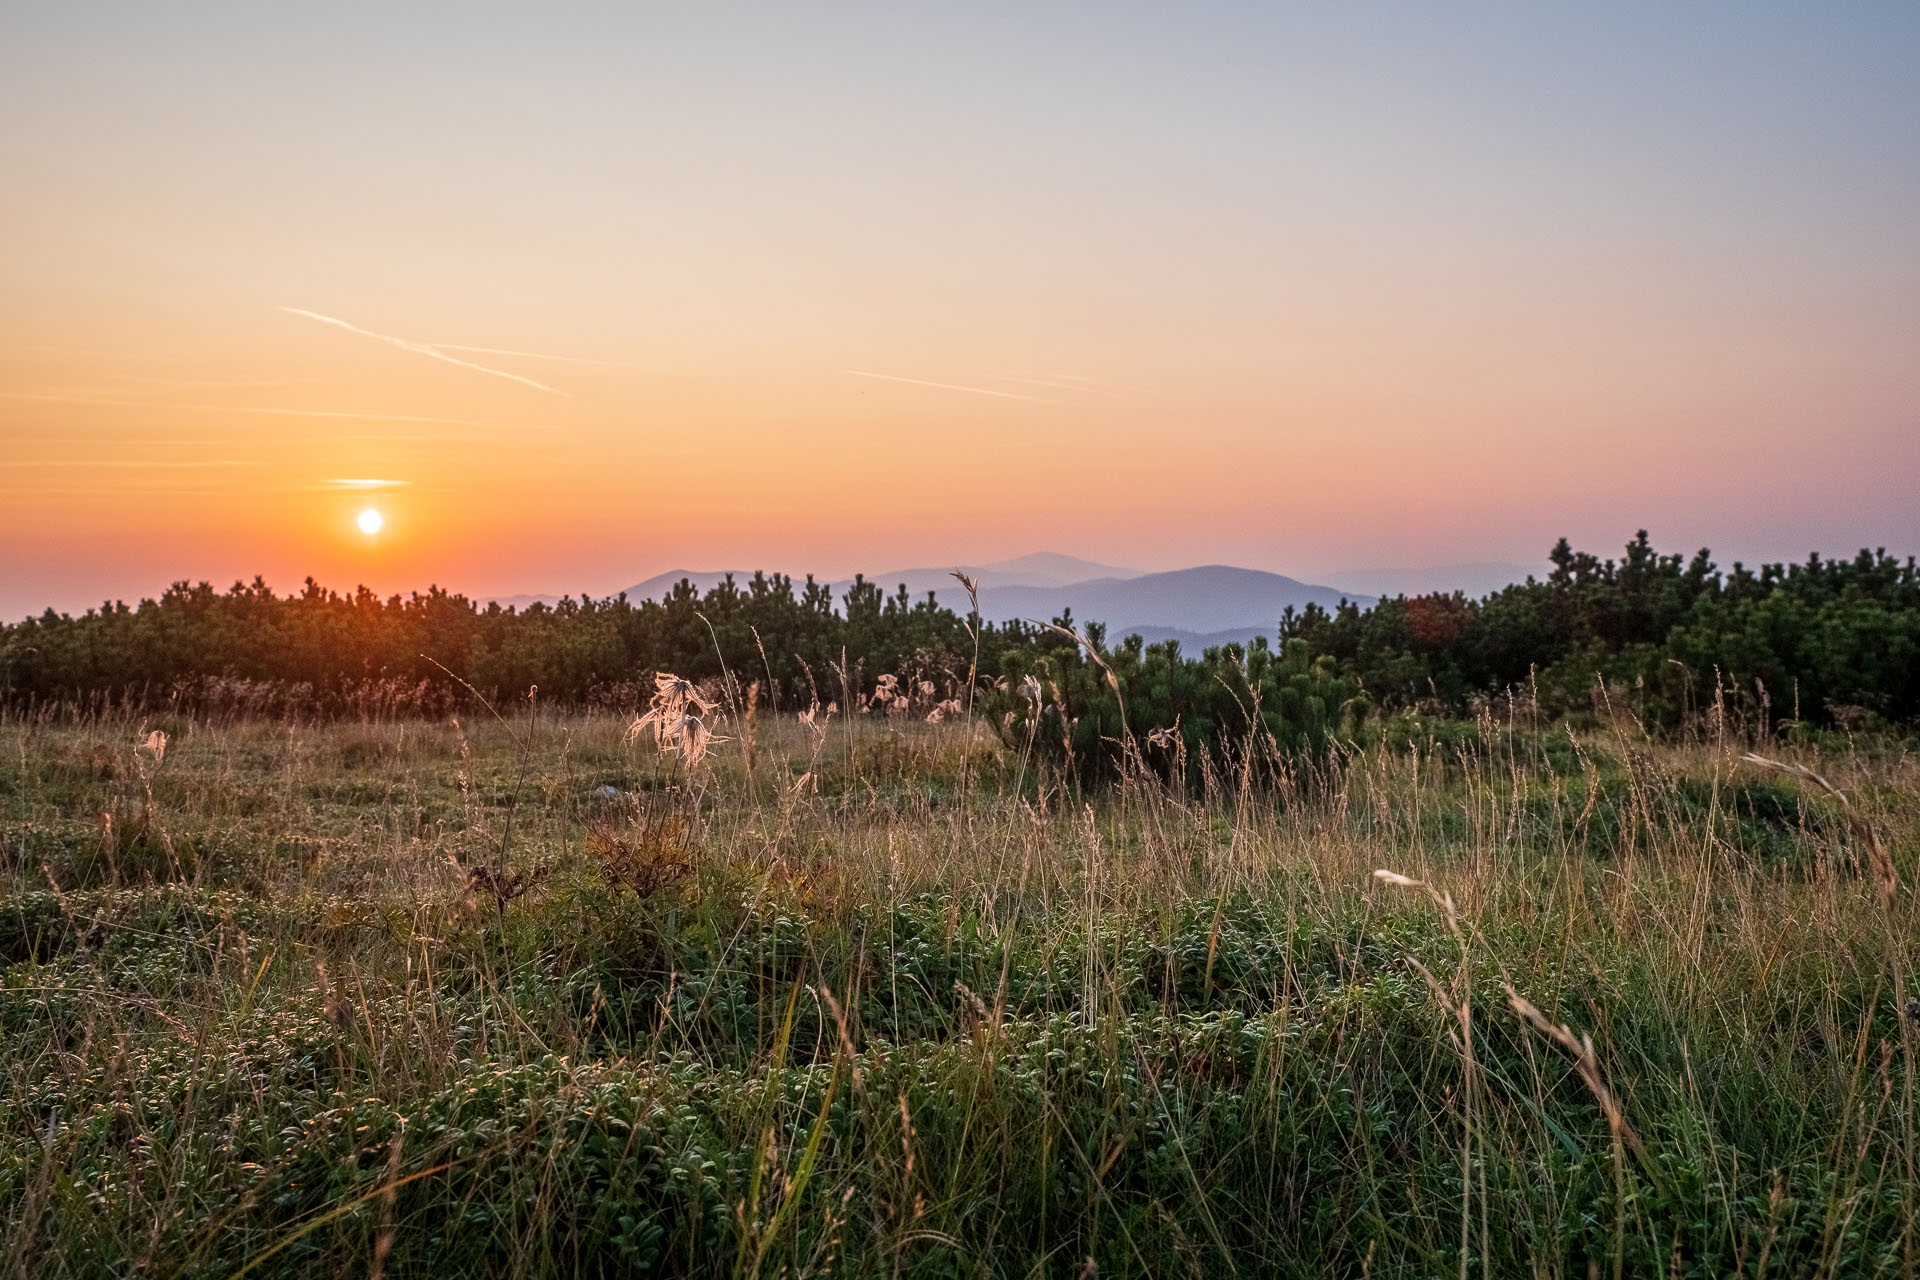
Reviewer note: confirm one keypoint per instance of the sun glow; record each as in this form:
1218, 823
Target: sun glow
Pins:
370, 521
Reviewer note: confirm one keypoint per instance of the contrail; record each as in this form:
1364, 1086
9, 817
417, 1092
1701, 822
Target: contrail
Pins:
421, 348
948, 386
1058, 381
525, 355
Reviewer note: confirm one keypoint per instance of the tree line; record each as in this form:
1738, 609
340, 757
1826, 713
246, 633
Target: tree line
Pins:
1825, 642
332, 653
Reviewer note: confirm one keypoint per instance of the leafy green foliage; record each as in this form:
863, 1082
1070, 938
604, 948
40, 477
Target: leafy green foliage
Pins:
1090, 714
1820, 645
1829, 641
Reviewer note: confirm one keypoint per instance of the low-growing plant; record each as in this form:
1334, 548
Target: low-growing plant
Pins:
916, 998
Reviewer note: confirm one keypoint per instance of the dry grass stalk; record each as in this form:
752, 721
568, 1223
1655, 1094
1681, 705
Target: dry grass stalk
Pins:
1584, 1061
814, 720
750, 728
1883, 869
1092, 653
1457, 999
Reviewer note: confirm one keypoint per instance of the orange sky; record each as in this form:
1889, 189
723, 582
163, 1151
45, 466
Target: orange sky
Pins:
1205, 288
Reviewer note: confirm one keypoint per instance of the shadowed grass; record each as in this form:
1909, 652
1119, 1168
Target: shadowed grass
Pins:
533, 998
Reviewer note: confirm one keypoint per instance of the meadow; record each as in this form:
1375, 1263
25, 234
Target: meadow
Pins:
858, 994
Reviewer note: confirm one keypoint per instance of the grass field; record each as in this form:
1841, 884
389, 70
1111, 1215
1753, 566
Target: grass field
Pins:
529, 997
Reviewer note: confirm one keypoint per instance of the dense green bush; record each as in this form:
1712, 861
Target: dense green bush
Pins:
1073, 706
1826, 643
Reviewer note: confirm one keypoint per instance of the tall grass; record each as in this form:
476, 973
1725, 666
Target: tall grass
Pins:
504, 997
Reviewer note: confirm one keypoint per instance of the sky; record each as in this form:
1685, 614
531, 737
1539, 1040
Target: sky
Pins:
596, 291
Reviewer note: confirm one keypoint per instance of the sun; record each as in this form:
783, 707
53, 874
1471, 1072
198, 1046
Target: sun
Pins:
371, 521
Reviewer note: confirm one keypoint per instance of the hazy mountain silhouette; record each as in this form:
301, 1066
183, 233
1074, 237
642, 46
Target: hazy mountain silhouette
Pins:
1214, 602
1041, 569
1200, 607
1478, 579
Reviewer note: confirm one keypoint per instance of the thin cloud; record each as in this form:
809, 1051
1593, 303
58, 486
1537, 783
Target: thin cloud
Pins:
336, 486
274, 410
230, 383
948, 386
392, 417
60, 351
369, 484
134, 464
129, 442
440, 439
421, 348
95, 490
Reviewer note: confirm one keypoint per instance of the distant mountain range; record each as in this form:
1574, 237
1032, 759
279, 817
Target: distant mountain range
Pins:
1045, 569
1200, 607
1481, 578
1205, 605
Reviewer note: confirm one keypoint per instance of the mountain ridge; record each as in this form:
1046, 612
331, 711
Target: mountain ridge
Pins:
1203, 600
1200, 606
1476, 579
